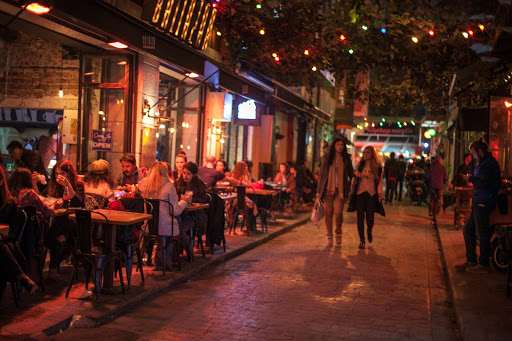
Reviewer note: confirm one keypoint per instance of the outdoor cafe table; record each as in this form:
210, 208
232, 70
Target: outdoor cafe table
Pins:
115, 218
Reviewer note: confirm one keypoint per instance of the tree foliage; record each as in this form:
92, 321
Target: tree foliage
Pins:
346, 37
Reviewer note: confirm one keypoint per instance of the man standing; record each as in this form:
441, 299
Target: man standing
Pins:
486, 182
391, 172
402, 167
131, 174
436, 179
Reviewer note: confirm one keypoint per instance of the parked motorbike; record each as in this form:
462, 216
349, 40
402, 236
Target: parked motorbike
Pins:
417, 185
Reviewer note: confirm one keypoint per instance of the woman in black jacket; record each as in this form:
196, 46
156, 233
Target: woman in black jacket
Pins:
336, 172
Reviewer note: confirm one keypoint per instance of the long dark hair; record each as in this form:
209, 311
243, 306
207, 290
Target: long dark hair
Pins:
55, 190
196, 185
332, 151
20, 179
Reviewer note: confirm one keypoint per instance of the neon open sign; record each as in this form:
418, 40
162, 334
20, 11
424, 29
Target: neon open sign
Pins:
189, 20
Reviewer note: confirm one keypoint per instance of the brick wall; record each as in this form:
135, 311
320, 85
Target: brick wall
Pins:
32, 70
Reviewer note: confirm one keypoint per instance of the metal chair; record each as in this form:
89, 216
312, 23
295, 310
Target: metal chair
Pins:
129, 247
16, 229
97, 260
151, 235
241, 209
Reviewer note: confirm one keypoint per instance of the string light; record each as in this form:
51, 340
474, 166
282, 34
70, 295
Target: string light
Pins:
508, 104
481, 27
258, 6
383, 30
373, 125
465, 34
274, 54
218, 33
313, 68
431, 33
471, 32
381, 124
415, 40
364, 27
351, 51
306, 52
342, 37
262, 32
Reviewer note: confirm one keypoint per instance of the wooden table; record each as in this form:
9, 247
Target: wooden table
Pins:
115, 218
63, 211
227, 197
249, 191
196, 207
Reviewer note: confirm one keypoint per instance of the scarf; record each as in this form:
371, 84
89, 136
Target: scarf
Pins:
336, 177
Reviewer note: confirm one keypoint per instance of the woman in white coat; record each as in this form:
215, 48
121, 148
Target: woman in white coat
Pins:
158, 186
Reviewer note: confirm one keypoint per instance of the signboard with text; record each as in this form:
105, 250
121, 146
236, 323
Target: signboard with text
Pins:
101, 140
388, 131
190, 21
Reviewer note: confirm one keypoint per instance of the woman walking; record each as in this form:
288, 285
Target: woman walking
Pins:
367, 184
336, 171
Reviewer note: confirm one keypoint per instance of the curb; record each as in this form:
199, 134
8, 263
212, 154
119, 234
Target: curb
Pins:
84, 321
450, 285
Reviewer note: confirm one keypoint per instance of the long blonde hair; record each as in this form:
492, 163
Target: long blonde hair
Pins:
156, 179
375, 162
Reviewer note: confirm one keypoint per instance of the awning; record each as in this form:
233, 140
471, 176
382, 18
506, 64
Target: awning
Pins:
241, 86
107, 22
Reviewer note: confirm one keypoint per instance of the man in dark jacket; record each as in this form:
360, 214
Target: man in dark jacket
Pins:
486, 182
391, 173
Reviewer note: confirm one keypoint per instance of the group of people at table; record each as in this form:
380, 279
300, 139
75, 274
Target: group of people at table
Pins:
97, 189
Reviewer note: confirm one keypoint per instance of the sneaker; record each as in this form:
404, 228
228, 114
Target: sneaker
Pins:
464, 265
479, 269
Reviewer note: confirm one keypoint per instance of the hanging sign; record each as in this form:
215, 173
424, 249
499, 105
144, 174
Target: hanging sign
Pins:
101, 140
188, 20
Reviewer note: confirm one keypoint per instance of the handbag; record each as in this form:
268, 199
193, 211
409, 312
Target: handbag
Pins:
379, 208
318, 212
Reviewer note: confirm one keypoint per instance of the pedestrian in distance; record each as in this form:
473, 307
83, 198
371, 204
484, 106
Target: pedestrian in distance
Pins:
391, 172
436, 179
336, 172
486, 179
402, 167
367, 187
464, 168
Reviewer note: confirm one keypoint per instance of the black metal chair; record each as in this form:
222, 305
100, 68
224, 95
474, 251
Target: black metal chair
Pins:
31, 241
241, 209
16, 229
150, 235
83, 253
130, 245
216, 221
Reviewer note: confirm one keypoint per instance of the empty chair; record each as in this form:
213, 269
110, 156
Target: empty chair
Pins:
92, 259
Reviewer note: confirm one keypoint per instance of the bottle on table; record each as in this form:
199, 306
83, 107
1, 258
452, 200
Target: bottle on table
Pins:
65, 197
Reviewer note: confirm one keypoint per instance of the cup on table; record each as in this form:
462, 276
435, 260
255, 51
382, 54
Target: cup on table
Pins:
189, 193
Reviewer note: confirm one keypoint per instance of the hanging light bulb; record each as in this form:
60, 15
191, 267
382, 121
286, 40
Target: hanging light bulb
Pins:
61, 93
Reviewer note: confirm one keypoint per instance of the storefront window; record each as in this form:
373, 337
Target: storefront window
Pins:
104, 119
177, 119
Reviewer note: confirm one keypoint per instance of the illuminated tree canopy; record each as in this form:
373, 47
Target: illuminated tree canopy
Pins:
412, 48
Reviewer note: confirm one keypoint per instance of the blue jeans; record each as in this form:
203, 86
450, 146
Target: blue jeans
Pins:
478, 222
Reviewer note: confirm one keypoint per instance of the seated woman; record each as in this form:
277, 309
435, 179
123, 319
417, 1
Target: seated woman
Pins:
98, 185
222, 167
241, 173
158, 186
286, 178
21, 186
194, 220
64, 180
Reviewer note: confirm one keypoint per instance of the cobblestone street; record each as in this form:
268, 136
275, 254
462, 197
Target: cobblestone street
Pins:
295, 288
